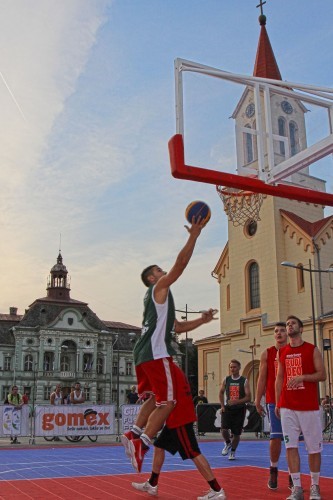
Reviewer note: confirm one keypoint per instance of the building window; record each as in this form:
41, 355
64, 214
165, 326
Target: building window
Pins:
28, 363
87, 362
99, 396
47, 392
114, 394
5, 392
48, 361
7, 363
100, 365
300, 277
282, 133
248, 146
114, 367
64, 363
87, 393
228, 297
293, 132
129, 367
252, 286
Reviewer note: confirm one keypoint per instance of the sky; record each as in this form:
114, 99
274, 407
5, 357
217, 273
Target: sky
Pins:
87, 109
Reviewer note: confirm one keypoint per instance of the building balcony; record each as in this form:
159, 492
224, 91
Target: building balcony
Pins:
71, 375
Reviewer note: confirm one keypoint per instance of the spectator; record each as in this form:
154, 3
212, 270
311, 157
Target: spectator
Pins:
77, 396
132, 397
201, 399
15, 399
25, 398
56, 399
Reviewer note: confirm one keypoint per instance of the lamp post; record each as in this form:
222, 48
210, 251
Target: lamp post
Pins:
186, 312
310, 270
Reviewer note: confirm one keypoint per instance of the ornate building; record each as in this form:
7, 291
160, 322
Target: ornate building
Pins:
256, 291
61, 340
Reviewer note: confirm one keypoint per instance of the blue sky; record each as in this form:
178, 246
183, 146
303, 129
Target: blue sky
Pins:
84, 148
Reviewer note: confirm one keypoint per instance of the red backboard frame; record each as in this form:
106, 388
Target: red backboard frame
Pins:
180, 170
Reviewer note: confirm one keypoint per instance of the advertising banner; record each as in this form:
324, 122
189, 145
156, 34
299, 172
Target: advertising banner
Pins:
13, 421
74, 420
128, 416
209, 418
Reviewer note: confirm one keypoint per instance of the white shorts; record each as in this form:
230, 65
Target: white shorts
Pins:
307, 423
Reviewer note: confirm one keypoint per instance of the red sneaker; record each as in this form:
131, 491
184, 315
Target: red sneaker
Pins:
126, 439
138, 451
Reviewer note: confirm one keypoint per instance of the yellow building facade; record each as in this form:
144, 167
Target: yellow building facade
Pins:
256, 291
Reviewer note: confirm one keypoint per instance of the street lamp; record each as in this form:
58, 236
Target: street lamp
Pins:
310, 270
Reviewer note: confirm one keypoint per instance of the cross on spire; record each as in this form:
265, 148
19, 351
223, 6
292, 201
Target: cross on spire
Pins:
261, 5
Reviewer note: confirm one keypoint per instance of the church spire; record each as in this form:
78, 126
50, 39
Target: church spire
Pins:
58, 287
265, 65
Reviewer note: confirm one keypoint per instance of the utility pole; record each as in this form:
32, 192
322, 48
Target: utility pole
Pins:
186, 312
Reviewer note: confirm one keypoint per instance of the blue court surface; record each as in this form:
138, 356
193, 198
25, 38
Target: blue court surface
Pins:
105, 472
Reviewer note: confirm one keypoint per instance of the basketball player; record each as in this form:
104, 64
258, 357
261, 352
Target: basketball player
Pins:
266, 385
178, 436
153, 351
300, 369
234, 394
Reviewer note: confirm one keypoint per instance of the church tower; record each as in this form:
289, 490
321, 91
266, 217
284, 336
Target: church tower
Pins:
256, 291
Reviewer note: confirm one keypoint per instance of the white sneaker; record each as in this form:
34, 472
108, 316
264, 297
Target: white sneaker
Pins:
315, 492
226, 449
152, 490
213, 494
232, 455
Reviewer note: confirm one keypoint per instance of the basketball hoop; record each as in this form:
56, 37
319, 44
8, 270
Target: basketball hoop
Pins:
240, 206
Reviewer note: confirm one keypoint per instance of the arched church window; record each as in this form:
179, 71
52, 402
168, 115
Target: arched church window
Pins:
293, 132
248, 146
228, 297
300, 277
252, 286
28, 363
282, 133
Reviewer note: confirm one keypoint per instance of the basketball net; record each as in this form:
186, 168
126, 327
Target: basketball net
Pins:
240, 206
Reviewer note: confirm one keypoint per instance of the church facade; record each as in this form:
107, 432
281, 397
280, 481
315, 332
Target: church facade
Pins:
256, 290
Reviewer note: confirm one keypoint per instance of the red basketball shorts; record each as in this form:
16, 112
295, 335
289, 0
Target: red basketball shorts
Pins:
158, 377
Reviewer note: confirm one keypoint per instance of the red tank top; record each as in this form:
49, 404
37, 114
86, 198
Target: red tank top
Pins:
298, 361
272, 364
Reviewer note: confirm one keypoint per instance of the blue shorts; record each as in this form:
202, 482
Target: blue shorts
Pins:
275, 423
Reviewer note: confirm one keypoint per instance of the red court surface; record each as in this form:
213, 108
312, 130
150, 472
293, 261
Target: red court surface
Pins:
238, 482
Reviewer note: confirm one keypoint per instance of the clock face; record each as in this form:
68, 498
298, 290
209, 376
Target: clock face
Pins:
287, 107
250, 110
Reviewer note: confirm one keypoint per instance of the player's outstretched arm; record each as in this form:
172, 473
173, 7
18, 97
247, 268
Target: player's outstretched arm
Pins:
188, 326
182, 260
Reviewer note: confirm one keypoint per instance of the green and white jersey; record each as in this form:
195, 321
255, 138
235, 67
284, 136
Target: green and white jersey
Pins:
157, 325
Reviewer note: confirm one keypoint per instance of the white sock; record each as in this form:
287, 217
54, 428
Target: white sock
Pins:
146, 439
274, 464
296, 477
314, 478
137, 430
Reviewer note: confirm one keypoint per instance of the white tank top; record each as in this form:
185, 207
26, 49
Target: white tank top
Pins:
57, 399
